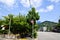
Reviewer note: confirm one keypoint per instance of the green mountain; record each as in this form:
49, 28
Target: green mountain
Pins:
47, 24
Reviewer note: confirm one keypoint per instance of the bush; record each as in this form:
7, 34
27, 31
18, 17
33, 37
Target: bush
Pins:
3, 31
35, 34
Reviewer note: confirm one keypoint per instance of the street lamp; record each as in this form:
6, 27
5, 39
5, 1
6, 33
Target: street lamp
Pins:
9, 28
9, 25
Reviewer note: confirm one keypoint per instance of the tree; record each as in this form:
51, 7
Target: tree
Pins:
33, 15
6, 22
18, 24
1, 22
58, 25
21, 24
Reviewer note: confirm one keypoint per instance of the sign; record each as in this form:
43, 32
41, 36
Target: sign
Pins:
32, 21
3, 28
2, 25
44, 28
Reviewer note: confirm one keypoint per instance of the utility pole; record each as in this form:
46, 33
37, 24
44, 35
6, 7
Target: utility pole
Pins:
30, 4
32, 21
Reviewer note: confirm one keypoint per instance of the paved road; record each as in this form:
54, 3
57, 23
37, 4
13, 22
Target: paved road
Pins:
48, 36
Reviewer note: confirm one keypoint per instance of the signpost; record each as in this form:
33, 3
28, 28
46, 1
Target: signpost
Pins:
32, 21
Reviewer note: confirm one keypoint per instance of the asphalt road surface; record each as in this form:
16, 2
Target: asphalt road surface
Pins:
48, 36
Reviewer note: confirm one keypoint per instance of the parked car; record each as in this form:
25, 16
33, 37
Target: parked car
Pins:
56, 30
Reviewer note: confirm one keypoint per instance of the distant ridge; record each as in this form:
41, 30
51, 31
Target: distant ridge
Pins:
47, 23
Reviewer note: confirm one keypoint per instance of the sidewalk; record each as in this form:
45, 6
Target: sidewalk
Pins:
14, 38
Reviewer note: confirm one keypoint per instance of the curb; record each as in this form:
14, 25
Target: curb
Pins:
28, 38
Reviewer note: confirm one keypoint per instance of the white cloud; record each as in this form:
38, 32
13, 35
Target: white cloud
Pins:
34, 3
25, 3
56, 1
48, 9
9, 3
41, 10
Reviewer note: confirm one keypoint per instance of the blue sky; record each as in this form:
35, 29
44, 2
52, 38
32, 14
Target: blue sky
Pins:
49, 10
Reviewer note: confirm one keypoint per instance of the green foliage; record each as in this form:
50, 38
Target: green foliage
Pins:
0, 22
58, 25
20, 24
35, 34
33, 15
3, 31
